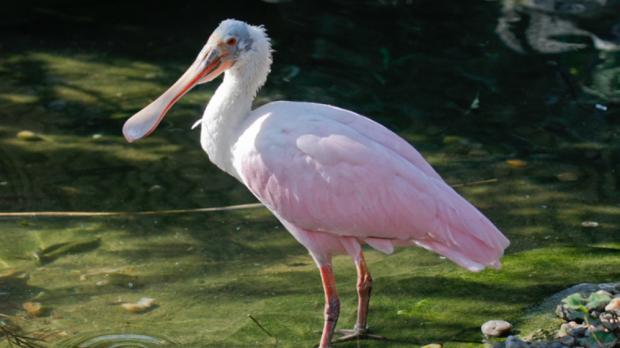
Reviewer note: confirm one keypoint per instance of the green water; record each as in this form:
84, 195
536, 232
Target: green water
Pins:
532, 138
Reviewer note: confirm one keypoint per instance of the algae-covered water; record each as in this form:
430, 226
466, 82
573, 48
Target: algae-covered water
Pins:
515, 103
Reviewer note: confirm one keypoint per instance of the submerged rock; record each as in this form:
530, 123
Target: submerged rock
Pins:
516, 163
589, 224
572, 329
568, 176
33, 309
143, 305
567, 340
27, 135
496, 328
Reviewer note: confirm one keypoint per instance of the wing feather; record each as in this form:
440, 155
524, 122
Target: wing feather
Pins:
326, 169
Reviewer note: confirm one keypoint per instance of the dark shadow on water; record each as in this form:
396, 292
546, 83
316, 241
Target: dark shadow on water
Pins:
15, 291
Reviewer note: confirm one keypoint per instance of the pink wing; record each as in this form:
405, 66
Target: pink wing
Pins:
326, 169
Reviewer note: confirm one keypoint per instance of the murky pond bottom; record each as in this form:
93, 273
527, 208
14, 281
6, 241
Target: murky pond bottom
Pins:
206, 273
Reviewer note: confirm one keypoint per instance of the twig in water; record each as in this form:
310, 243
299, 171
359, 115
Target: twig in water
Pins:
263, 328
124, 213
13, 338
479, 182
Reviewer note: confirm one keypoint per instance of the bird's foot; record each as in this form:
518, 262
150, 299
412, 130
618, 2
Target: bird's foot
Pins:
356, 334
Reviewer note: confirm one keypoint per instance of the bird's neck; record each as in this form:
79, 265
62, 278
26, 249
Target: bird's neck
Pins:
226, 111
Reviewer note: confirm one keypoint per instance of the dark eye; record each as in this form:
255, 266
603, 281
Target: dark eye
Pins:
232, 41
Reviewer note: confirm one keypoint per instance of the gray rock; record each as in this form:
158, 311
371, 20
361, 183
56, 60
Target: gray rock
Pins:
613, 288
610, 321
496, 328
574, 329
604, 293
568, 314
567, 340
515, 342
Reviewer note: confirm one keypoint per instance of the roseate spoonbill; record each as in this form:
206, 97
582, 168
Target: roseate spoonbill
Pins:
335, 179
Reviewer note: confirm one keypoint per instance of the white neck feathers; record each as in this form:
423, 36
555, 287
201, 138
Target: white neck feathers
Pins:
232, 101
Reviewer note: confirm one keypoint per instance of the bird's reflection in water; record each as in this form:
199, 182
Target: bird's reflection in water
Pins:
552, 27
557, 26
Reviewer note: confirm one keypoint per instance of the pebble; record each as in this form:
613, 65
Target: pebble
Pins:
33, 309
496, 328
27, 135
567, 340
589, 224
612, 288
610, 321
155, 188
613, 305
557, 345
515, 342
575, 329
141, 306
516, 163
567, 176
600, 107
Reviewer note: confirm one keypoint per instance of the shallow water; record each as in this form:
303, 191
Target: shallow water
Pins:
515, 103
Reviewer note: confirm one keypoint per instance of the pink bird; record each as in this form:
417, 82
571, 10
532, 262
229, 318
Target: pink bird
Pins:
335, 179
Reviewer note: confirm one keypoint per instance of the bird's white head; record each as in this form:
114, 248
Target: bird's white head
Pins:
235, 47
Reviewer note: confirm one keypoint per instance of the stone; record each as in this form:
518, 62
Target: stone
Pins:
564, 328
496, 328
143, 305
433, 345
589, 224
516, 163
515, 342
567, 340
613, 288
604, 293
613, 305
33, 309
610, 321
576, 330
568, 176
27, 135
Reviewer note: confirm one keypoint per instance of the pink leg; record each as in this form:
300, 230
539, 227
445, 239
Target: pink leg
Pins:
364, 288
332, 305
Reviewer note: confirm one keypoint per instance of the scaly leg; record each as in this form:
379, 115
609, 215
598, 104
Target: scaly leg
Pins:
364, 288
332, 305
